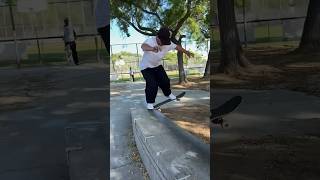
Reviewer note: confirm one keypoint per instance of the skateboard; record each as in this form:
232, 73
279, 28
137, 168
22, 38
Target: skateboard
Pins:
69, 56
157, 106
218, 114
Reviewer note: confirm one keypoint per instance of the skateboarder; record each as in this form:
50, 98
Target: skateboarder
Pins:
69, 40
155, 48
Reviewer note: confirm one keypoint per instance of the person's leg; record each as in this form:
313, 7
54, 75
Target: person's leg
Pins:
68, 50
151, 89
105, 36
163, 80
73, 47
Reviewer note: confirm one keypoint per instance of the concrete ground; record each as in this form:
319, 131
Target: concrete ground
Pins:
36, 104
125, 161
276, 112
274, 132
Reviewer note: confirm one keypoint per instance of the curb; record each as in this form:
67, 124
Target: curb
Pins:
167, 151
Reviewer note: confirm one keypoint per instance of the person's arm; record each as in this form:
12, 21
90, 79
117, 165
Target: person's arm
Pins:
146, 47
181, 49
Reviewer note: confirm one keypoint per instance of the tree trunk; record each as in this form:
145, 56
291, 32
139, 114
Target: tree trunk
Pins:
210, 59
232, 57
210, 62
207, 68
212, 16
310, 40
182, 75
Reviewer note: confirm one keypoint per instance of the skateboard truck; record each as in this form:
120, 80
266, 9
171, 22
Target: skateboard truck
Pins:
218, 114
219, 121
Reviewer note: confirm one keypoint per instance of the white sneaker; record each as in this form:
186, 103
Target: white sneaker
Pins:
172, 97
150, 106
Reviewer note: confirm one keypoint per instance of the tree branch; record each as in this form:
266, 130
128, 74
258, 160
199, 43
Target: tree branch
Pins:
141, 27
161, 22
152, 13
141, 31
137, 29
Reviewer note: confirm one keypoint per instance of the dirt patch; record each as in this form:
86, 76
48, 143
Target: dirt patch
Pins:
275, 68
135, 156
271, 157
194, 119
194, 84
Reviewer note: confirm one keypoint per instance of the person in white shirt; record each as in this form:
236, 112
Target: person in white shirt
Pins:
69, 38
155, 48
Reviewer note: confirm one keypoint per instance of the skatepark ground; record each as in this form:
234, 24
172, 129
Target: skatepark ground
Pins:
37, 104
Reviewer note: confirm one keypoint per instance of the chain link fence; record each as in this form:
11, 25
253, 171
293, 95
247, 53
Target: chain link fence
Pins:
126, 56
270, 20
38, 36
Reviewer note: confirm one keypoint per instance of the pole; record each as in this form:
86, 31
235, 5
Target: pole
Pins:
97, 48
15, 36
137, 54
268, 32
244, 23
37, 37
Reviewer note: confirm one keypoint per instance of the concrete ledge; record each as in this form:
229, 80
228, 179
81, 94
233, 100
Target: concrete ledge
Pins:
167, 151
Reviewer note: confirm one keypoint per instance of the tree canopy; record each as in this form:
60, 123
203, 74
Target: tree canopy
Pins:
186, 17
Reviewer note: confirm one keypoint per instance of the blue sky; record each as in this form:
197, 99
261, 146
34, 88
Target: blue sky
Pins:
116, 37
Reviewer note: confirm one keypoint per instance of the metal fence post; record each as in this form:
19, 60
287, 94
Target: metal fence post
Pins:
269, 32
15, 36
137, 54
97, 48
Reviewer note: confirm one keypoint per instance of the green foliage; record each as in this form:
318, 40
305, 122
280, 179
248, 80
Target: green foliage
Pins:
170, 58
197, 26
124, 55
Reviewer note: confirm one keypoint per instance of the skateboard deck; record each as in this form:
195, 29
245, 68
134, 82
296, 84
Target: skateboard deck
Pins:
217, 114
157, 106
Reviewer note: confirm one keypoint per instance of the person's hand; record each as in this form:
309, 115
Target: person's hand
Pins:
156, 49
189, 54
